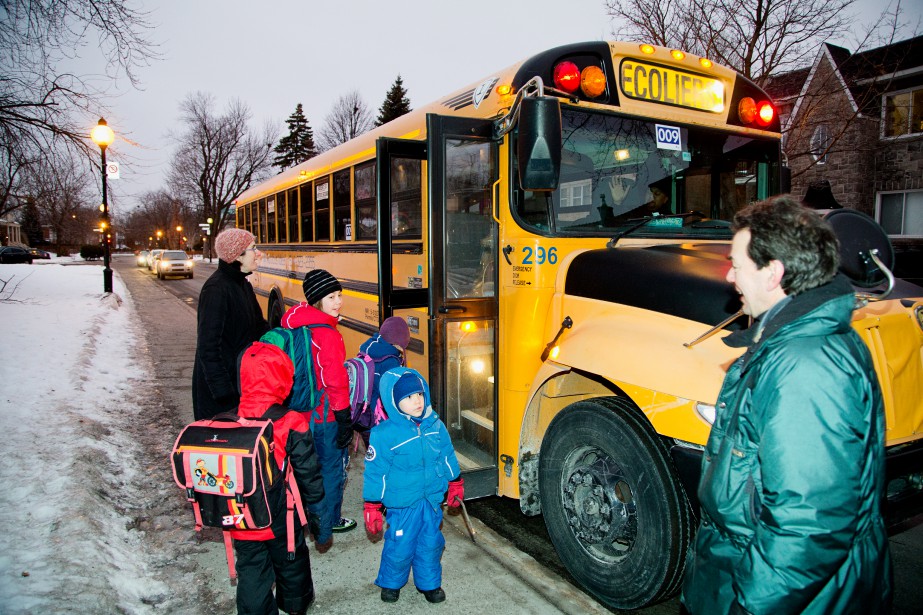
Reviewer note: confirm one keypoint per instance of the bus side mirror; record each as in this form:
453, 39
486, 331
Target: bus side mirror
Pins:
538, 149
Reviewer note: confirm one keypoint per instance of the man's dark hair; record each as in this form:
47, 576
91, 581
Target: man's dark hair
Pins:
783, 229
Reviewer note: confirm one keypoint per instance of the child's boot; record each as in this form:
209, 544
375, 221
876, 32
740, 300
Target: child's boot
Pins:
433, 595
391, 595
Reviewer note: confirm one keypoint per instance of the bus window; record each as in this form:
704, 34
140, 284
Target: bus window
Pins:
282, 216
307, 212
254, 218
322, 209
470, 388
292, 203
406, 199
263, 222
241, 212
471, 235
366, 213
342, 204
272, 217
533, 210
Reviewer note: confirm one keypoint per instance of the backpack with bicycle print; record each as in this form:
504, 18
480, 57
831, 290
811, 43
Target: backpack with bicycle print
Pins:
226, 467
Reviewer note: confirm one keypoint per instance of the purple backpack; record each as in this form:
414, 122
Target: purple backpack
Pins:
361, 371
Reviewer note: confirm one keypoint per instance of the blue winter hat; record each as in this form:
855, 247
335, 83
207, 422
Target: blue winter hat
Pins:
406, 385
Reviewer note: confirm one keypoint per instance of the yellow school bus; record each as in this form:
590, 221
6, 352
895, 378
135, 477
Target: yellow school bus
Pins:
556, 237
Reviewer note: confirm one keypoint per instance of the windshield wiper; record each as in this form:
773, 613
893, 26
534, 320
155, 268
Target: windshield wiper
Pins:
642, 221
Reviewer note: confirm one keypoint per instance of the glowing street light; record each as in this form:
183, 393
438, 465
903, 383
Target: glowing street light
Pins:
103, 136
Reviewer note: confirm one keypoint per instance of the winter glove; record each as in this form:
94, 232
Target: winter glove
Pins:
456, 489
344, 427
314, 525
374, 522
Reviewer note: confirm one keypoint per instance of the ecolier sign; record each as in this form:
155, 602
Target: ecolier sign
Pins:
669, 86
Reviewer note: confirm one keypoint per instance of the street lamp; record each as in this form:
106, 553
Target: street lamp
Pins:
159, 235
103, 136
179, 233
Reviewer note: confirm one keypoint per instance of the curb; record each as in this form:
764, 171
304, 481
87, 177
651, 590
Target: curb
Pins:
560, 593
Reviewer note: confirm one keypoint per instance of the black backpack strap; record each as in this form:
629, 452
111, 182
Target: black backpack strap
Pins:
275, 412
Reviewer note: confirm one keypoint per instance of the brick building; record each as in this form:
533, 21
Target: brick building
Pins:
856, 120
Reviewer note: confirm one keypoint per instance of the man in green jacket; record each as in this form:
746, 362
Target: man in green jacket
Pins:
793, 472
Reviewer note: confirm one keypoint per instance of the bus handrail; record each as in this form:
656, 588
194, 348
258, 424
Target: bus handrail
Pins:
533, 87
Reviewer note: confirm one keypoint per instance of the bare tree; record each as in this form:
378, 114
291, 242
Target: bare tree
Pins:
13, 162
349, 118
159, 211
42, 104
218, 156
60, 185
755, 37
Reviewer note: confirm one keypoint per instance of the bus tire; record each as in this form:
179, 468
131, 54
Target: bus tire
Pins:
275, 312
615, 510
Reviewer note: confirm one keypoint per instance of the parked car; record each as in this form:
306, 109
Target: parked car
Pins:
36, 253
142, 258
15, 254
173, 262
152, 259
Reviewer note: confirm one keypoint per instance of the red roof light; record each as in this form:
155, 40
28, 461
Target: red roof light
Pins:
567, 77
766, 113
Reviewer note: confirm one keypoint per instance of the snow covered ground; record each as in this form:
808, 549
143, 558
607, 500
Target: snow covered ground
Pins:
77, 506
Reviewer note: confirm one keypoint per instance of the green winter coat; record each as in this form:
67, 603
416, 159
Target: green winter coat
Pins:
793, 472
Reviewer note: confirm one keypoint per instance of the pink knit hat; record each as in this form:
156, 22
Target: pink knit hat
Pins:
231, 243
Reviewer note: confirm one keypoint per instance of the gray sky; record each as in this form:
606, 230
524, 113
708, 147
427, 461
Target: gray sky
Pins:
277, 53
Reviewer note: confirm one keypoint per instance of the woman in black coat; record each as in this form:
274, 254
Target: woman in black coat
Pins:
229, 320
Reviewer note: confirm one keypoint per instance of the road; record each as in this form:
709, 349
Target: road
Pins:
167, 309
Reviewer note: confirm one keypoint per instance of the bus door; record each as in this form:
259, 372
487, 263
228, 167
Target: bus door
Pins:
462, 169
402, 257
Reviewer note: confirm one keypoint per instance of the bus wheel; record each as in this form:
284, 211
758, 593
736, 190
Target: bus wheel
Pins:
613, 506
275, 313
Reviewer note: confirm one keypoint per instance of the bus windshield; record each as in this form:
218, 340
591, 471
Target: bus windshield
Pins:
615, 172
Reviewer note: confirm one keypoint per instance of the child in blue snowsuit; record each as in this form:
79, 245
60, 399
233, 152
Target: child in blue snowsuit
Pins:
409, 465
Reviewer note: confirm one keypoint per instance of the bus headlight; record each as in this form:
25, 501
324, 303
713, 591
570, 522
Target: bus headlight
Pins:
706, 411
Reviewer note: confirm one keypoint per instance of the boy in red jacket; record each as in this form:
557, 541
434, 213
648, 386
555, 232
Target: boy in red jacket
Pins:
331, 423
262, 556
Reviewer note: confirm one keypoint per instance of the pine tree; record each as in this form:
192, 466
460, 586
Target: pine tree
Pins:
298, 145
30, 223
396, 103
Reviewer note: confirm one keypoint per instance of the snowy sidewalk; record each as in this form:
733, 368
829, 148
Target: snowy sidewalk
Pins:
105, 529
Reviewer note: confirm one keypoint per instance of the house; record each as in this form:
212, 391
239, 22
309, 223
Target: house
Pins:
10, 232
856, 120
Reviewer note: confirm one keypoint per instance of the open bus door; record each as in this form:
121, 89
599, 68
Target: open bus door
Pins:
463, 308
460, 238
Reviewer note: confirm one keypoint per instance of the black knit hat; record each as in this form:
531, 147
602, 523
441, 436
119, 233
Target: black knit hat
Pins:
318, 283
